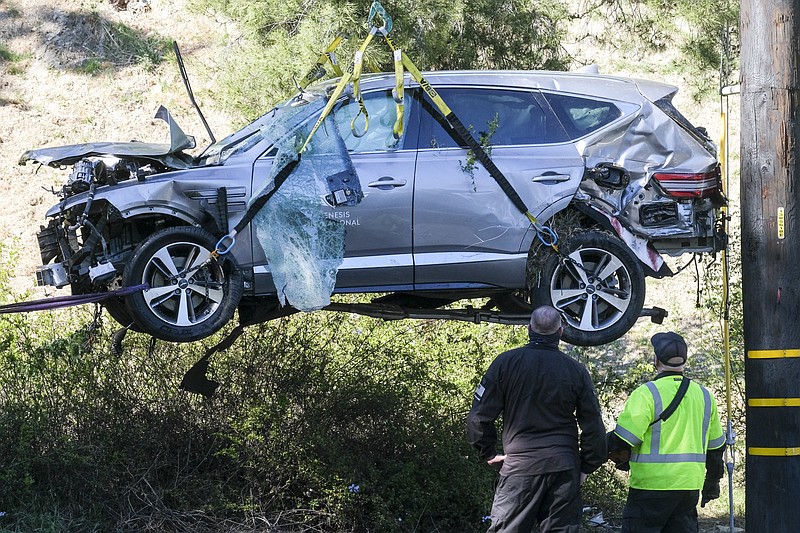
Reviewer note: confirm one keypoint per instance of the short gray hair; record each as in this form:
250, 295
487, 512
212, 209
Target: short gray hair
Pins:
545, 320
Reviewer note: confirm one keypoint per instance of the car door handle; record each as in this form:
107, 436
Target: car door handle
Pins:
551, 176
387, 182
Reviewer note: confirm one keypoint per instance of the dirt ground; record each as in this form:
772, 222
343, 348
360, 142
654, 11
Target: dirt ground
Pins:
55, 91
706, 526
720, 524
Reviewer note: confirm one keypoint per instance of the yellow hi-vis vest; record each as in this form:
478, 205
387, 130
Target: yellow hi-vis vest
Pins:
670, 454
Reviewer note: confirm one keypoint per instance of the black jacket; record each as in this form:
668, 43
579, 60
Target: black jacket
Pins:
541, 394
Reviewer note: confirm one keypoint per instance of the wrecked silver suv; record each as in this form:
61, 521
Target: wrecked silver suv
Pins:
613, 173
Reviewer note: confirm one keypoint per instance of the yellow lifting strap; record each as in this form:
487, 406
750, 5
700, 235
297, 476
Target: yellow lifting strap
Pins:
347, 75
352, 73
358, 66
317, 71
377, 11
401, 61
398, 93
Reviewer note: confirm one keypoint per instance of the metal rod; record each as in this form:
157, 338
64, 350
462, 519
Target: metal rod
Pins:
185, 78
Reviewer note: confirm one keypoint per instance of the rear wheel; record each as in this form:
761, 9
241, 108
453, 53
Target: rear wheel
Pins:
191, 294
598, 286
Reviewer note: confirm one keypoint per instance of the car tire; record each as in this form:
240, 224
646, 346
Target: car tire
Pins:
517, 302
598, 286
118, 310
181, 306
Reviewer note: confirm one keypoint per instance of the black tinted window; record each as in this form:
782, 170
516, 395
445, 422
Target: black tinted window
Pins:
581, 116
511, 117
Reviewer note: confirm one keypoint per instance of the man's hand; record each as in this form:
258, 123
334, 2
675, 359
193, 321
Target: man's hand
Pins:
619, 451
496, 462
710, 491
621, 459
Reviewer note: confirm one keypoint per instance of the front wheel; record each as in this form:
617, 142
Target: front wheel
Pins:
191, 294
116, 308
598, 286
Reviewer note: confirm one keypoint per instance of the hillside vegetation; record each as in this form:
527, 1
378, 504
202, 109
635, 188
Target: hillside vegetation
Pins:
323, 422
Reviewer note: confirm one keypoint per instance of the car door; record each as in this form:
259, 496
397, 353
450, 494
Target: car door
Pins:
378, 253
378, 229
467, 233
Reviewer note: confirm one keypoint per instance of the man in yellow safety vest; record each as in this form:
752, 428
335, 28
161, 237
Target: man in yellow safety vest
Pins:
670, 432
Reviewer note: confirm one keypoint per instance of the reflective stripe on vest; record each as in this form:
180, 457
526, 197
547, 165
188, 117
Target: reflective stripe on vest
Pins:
655, 455
627, 435
716, 443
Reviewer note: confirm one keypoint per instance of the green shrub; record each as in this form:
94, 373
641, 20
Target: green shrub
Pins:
283, 39
325, 421
6, 54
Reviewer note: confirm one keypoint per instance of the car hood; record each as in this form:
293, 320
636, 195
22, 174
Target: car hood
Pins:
171, 155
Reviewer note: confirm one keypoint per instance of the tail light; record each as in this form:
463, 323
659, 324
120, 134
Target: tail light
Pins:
692, 185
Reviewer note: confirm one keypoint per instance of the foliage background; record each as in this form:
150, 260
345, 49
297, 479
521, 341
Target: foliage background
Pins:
323, 422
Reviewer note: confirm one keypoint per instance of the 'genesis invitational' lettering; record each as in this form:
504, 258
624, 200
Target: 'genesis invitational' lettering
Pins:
343, 217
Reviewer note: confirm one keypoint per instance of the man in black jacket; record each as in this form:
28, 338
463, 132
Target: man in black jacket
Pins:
541, 394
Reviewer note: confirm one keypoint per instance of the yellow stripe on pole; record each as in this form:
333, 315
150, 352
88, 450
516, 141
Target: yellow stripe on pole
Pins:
774, 452
774, 402
773, 354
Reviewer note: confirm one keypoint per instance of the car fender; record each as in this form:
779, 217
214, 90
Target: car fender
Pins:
546, 214
135, 199
653, 263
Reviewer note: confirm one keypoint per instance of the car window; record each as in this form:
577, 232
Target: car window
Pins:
382, 113
665, 104
503, 117
581, 116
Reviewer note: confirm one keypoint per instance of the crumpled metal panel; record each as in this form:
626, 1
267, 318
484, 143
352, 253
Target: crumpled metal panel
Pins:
303, 246
168, 154
643, 143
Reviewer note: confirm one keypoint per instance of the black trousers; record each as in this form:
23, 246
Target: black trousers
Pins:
660, 511
551, 500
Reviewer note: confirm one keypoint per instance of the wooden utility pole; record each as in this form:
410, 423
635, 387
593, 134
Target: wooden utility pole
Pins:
770, 197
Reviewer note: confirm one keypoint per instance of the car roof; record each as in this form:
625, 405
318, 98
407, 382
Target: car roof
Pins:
584, 83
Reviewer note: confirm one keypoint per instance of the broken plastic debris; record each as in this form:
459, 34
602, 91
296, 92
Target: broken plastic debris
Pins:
597, 520
168, 154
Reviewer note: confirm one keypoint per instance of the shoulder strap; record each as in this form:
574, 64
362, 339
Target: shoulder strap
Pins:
666, 413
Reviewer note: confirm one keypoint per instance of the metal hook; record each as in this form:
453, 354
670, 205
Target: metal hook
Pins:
377, 10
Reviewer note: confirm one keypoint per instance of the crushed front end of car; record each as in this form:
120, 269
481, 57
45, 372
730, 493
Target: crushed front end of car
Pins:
75, 246
151, 215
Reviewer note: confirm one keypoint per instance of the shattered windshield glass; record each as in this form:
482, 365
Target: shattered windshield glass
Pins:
303, 246
261, 128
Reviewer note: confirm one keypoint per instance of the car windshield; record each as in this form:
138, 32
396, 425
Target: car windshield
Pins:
252, 134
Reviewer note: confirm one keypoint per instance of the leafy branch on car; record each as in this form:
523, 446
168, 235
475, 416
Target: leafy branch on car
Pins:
485, 139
